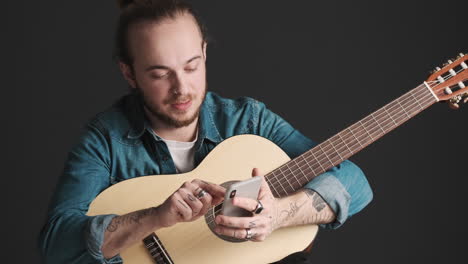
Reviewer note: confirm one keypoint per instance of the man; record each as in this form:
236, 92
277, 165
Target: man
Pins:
167, 125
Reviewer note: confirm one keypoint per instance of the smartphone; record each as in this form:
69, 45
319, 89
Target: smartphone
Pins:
248, 188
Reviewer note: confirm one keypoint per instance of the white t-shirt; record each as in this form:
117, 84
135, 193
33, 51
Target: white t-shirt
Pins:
182, 153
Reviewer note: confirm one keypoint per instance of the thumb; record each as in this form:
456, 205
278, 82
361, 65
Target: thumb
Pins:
256, 172
264, 187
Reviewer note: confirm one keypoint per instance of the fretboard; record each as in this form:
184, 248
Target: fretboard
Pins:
156, 249
296, 173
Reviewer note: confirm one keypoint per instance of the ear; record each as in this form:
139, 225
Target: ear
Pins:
127, 73
204, 46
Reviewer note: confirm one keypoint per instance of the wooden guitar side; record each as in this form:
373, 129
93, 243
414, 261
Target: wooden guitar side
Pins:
194, 242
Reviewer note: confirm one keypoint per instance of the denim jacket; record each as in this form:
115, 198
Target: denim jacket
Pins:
119, 144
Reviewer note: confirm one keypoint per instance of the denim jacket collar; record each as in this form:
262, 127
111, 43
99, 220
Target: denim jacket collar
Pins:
133, 108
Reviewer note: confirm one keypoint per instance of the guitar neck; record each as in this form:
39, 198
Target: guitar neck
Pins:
296, 173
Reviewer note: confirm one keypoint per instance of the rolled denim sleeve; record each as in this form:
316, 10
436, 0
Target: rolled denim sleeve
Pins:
69, 235
344, 187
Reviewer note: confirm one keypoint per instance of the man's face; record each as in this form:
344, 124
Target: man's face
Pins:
169, 69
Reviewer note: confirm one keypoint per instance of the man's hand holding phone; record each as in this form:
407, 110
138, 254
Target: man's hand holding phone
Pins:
260, 223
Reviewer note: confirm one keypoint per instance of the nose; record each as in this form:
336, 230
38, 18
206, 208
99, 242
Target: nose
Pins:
180, 84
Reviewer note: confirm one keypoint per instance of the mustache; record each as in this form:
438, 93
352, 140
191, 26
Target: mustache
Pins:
178, 99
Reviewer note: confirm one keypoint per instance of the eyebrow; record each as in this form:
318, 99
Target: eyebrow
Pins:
154, 67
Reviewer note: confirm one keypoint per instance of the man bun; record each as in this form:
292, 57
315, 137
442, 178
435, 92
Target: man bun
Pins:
135, 11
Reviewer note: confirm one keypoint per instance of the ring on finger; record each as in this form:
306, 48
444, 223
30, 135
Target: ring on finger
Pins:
249, 234
258, 209
201, 193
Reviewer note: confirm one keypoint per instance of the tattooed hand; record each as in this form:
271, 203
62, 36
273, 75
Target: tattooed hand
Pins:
184, 206
261, 225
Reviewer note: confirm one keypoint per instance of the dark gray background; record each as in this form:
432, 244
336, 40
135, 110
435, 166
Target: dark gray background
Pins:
322, 65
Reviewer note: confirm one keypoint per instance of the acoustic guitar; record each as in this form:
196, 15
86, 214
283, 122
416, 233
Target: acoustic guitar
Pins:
195, 242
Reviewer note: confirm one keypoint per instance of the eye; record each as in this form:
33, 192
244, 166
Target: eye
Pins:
159, 75
191, 69
192, 66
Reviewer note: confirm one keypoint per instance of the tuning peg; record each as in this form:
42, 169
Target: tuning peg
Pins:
465, 98
453, 102
460, 55
454, 106
435, 70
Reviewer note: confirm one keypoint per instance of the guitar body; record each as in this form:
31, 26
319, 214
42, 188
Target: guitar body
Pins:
194, 242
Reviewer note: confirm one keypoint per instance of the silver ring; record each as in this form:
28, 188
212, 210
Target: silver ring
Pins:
249, 234
201, 193
258, 209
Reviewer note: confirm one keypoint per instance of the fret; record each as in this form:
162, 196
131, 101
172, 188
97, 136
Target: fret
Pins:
404, 111
273, 187
328, 158
326, 162
313, 163
319, 163
346, 145
385, 108
410, 108
363, 127
372, 115
397, 114
417, 101
308, 165
279, 179
371, 127
285, 175
150, 245
302, 172
349, 140
156, 249
355, 137
386, 124
333, 146
304, 166
339, 147
295, 171
361, 134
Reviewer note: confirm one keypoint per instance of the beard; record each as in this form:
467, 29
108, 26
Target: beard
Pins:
166, 118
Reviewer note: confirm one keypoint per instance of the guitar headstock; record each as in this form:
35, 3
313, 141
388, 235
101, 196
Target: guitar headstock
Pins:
450, 83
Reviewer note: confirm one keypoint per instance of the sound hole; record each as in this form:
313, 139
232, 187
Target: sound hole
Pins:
213, 212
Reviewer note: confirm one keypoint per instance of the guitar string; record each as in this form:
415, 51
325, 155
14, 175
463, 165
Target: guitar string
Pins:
341, 147
330, 143
449, 76
275, 183
348, 133
320, 157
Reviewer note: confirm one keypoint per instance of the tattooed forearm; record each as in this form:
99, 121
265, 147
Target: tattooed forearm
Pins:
291, 213
131, 218
317, 202
303, 207
321, 216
